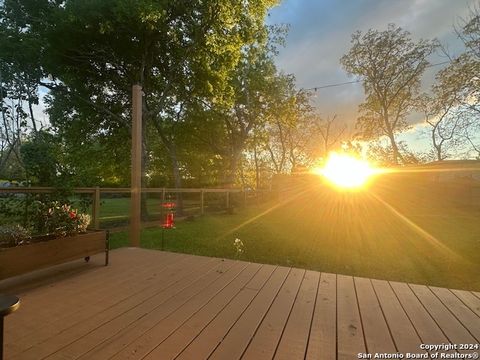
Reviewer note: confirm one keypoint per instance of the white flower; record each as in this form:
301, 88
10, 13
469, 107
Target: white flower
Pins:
238, 244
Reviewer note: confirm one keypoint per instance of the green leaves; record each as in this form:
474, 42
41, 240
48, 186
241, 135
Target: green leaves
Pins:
390, 65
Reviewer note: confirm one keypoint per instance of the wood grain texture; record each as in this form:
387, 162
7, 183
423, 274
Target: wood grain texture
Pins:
23, 259
157, 305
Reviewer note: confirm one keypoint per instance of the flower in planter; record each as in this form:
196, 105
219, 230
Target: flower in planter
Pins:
61, 220
13, 235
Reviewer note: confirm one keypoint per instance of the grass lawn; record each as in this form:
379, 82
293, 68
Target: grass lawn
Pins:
114, 211
377, 235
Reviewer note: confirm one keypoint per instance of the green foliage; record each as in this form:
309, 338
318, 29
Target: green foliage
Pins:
13, 235
93, 52
41, 158
11, 208
53, 218
390, 65
456, 95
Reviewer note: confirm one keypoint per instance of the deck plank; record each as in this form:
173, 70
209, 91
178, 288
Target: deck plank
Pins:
293, 344
350, 336
268, 334
107, 296
452, 328
464, 315
235, 342
76, 292
404, 335
376, 331
427, 329
163, 290
149, 333
323, 334
469, 300
211, 336
158, 306
155, 305
186, 333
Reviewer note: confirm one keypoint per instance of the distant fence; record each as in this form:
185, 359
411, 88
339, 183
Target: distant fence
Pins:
190, 201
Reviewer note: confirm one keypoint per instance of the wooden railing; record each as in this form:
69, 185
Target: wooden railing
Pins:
96, 193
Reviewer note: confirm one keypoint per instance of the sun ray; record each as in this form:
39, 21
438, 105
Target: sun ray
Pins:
263, 213
425, 234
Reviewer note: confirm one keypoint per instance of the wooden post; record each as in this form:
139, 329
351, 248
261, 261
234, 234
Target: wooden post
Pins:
162, 209
96, 208
202, 202
228, 199
244, 198
136, 176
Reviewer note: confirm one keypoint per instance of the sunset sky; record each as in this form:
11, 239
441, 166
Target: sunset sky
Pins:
320, 33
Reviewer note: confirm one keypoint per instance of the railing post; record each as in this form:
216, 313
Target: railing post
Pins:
162, 209
96, 208
202, 202
228, 199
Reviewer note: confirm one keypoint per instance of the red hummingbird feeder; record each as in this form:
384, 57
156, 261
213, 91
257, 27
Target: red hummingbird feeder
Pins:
169, 221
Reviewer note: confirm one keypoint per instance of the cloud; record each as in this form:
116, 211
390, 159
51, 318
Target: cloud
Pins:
320, 34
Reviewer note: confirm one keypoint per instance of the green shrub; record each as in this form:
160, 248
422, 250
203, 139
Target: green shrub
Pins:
13, 235
59, 219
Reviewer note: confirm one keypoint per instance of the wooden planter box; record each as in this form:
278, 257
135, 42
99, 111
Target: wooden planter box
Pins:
25, 258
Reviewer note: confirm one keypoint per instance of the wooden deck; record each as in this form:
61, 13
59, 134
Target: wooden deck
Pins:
157, 305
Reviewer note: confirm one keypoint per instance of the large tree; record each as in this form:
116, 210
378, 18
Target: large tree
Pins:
229, 126
91, 53
390, 65
458, 85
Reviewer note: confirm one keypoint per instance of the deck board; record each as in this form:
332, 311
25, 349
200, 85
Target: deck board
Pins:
470, 300
265, 341
237, 339
107, 296
211, 336
404, 334
164, 326
185, 334
463, 314
376, 330
293, 344
156, 305
350, 337
322, 342
426, 328
452, 328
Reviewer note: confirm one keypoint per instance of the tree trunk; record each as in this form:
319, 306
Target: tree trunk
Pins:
257, 168
144, 166
395, 152
232, 171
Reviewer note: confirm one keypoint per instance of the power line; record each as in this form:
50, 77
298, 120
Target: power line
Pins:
357, 81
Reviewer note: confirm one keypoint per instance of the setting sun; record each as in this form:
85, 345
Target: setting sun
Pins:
346, 172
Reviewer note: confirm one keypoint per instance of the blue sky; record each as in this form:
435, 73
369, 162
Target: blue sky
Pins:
320, 32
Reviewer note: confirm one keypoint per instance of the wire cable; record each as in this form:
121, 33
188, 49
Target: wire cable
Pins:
358, 81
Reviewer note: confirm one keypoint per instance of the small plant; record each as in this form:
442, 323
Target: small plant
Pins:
13, 235
61, 220
239, 247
